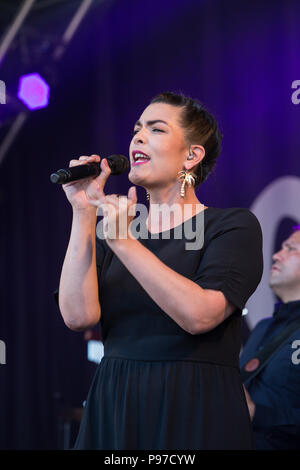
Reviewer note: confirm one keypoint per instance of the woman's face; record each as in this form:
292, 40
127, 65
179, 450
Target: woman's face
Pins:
157, 135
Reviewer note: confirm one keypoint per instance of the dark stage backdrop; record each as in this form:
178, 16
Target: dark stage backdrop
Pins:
240, 59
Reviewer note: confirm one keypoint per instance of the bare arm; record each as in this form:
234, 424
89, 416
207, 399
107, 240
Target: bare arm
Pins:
78, 289
194, 309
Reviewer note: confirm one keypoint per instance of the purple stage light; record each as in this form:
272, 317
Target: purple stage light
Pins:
33, 91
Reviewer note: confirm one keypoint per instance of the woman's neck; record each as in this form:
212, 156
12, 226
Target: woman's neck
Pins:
168, 209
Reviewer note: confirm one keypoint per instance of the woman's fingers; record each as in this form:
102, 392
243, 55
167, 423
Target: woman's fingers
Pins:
105, 172
120, 199
95, 191
101, 180
112, 199
132, 194
76, 162
84, 159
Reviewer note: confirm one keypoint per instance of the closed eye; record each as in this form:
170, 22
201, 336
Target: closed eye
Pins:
155, 129
288, 247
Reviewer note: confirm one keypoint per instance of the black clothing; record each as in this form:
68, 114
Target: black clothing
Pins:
157, 386
276, 389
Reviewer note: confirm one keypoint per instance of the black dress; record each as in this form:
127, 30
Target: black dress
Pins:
157, 386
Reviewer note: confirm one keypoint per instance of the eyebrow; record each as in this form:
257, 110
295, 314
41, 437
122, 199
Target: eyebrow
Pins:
150, 123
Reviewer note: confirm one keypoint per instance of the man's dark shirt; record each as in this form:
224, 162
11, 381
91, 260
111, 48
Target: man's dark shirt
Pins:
276, 390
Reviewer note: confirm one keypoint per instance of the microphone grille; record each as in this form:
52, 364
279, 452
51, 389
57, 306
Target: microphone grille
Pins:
118, 164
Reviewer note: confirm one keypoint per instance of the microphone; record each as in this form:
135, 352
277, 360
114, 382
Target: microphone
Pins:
117, 163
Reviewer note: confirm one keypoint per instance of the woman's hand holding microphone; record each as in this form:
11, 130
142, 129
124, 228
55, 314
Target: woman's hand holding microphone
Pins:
88, 194
83, 192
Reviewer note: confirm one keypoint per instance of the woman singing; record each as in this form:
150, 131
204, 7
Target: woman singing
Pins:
170, 316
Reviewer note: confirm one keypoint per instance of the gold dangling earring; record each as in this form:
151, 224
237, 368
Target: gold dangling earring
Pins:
188, 178
148, 195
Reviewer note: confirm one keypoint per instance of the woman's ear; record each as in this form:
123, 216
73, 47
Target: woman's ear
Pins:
196, 155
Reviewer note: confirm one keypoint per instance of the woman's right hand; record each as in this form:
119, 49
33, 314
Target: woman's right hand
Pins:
80, 193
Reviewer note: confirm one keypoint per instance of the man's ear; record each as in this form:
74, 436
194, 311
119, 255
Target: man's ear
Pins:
196, 155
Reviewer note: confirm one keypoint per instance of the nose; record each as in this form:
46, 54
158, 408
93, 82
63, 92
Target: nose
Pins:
139, 137
277, 256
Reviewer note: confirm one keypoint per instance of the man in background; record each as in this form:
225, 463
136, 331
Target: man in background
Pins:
273, 395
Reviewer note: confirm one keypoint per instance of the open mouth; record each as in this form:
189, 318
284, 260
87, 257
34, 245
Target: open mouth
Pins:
139, 158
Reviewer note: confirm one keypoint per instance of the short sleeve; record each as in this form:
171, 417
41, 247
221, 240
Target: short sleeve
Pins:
232, 261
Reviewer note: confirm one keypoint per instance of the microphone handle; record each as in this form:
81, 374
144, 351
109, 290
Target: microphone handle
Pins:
66, 175
117, 163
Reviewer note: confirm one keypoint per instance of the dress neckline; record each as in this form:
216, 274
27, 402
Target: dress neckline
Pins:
172, 228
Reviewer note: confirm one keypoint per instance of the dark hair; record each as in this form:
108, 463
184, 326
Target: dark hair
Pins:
200, 128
